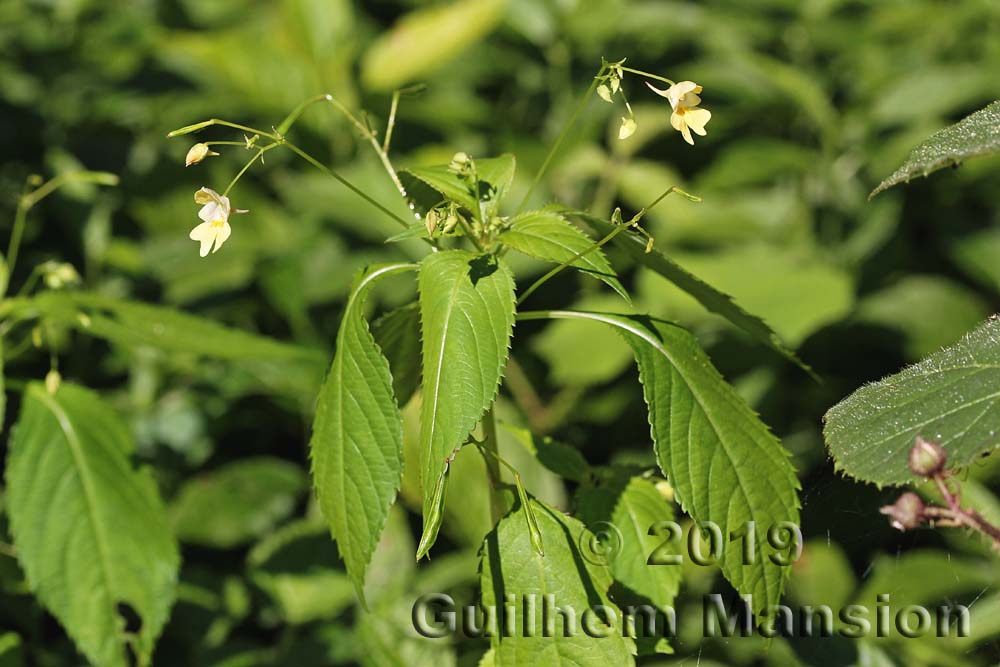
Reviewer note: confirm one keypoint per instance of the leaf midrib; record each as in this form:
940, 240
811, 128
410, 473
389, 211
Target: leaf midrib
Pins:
90, 497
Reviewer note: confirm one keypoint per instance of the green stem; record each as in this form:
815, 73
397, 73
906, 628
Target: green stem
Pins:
350, 186
15, 243
380, 150
562, 137
493, 465
260, 152
551, 274
188, 129
648, 75
391, 123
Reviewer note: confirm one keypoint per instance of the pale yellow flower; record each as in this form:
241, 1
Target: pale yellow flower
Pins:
687, 115
215, 229
198, 153
628, 127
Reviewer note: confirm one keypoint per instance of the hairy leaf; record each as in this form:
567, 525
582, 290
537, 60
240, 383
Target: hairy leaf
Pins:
510, 566
975, 135
466, 319
725, 465
236, 503
952, 397
357, 442
427, 185
90, 530
549, 236
712, 299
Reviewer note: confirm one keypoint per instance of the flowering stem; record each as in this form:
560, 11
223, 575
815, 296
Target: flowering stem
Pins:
188, 129
260, 152
648, 75
562, 136
350, 186
391, 123
382, 150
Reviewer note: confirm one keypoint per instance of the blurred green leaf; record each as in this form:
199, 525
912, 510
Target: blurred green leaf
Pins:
426, 39
904, 305
978, 254
822, 575
950, 397
357, 441
109, 547
975, 135
297, 566
236, 503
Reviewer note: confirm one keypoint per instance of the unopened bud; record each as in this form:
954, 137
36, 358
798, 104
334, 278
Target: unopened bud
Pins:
906, 513
604, 92
52, 381
927, 458
59, 274
198, 153
458, 161
431, 221
628, 127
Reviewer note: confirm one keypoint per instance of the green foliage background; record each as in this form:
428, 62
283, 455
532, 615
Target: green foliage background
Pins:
814, 103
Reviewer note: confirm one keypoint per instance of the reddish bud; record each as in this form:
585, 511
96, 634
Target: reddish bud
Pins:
927, 458
906, 513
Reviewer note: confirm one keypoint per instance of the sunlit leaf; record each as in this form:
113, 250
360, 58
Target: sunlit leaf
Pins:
89, 529
466, 318
357, 441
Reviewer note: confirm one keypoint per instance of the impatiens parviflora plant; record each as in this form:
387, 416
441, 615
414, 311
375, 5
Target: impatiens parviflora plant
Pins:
704, 434
928, 460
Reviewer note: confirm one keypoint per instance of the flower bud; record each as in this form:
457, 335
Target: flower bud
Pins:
52, 381
628, 128
604, 92
906, 513
431, 221
927, 458
198, 153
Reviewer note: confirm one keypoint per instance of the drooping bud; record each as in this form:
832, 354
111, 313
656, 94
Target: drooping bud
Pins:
198, 153
52, 381
604, 92
927, 458
906, 513
628, 127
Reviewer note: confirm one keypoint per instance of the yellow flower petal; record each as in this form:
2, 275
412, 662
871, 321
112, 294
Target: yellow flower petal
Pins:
222, 235
204, 234
696, 119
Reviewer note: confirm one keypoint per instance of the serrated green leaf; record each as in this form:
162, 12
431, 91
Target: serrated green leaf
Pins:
236, 503
951, 397
426, 186
725, 465
975, 135
466, 320
397, 334
548, 236
89, 529
510, 566
633, 505
426, 39
357, 443
712, 299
